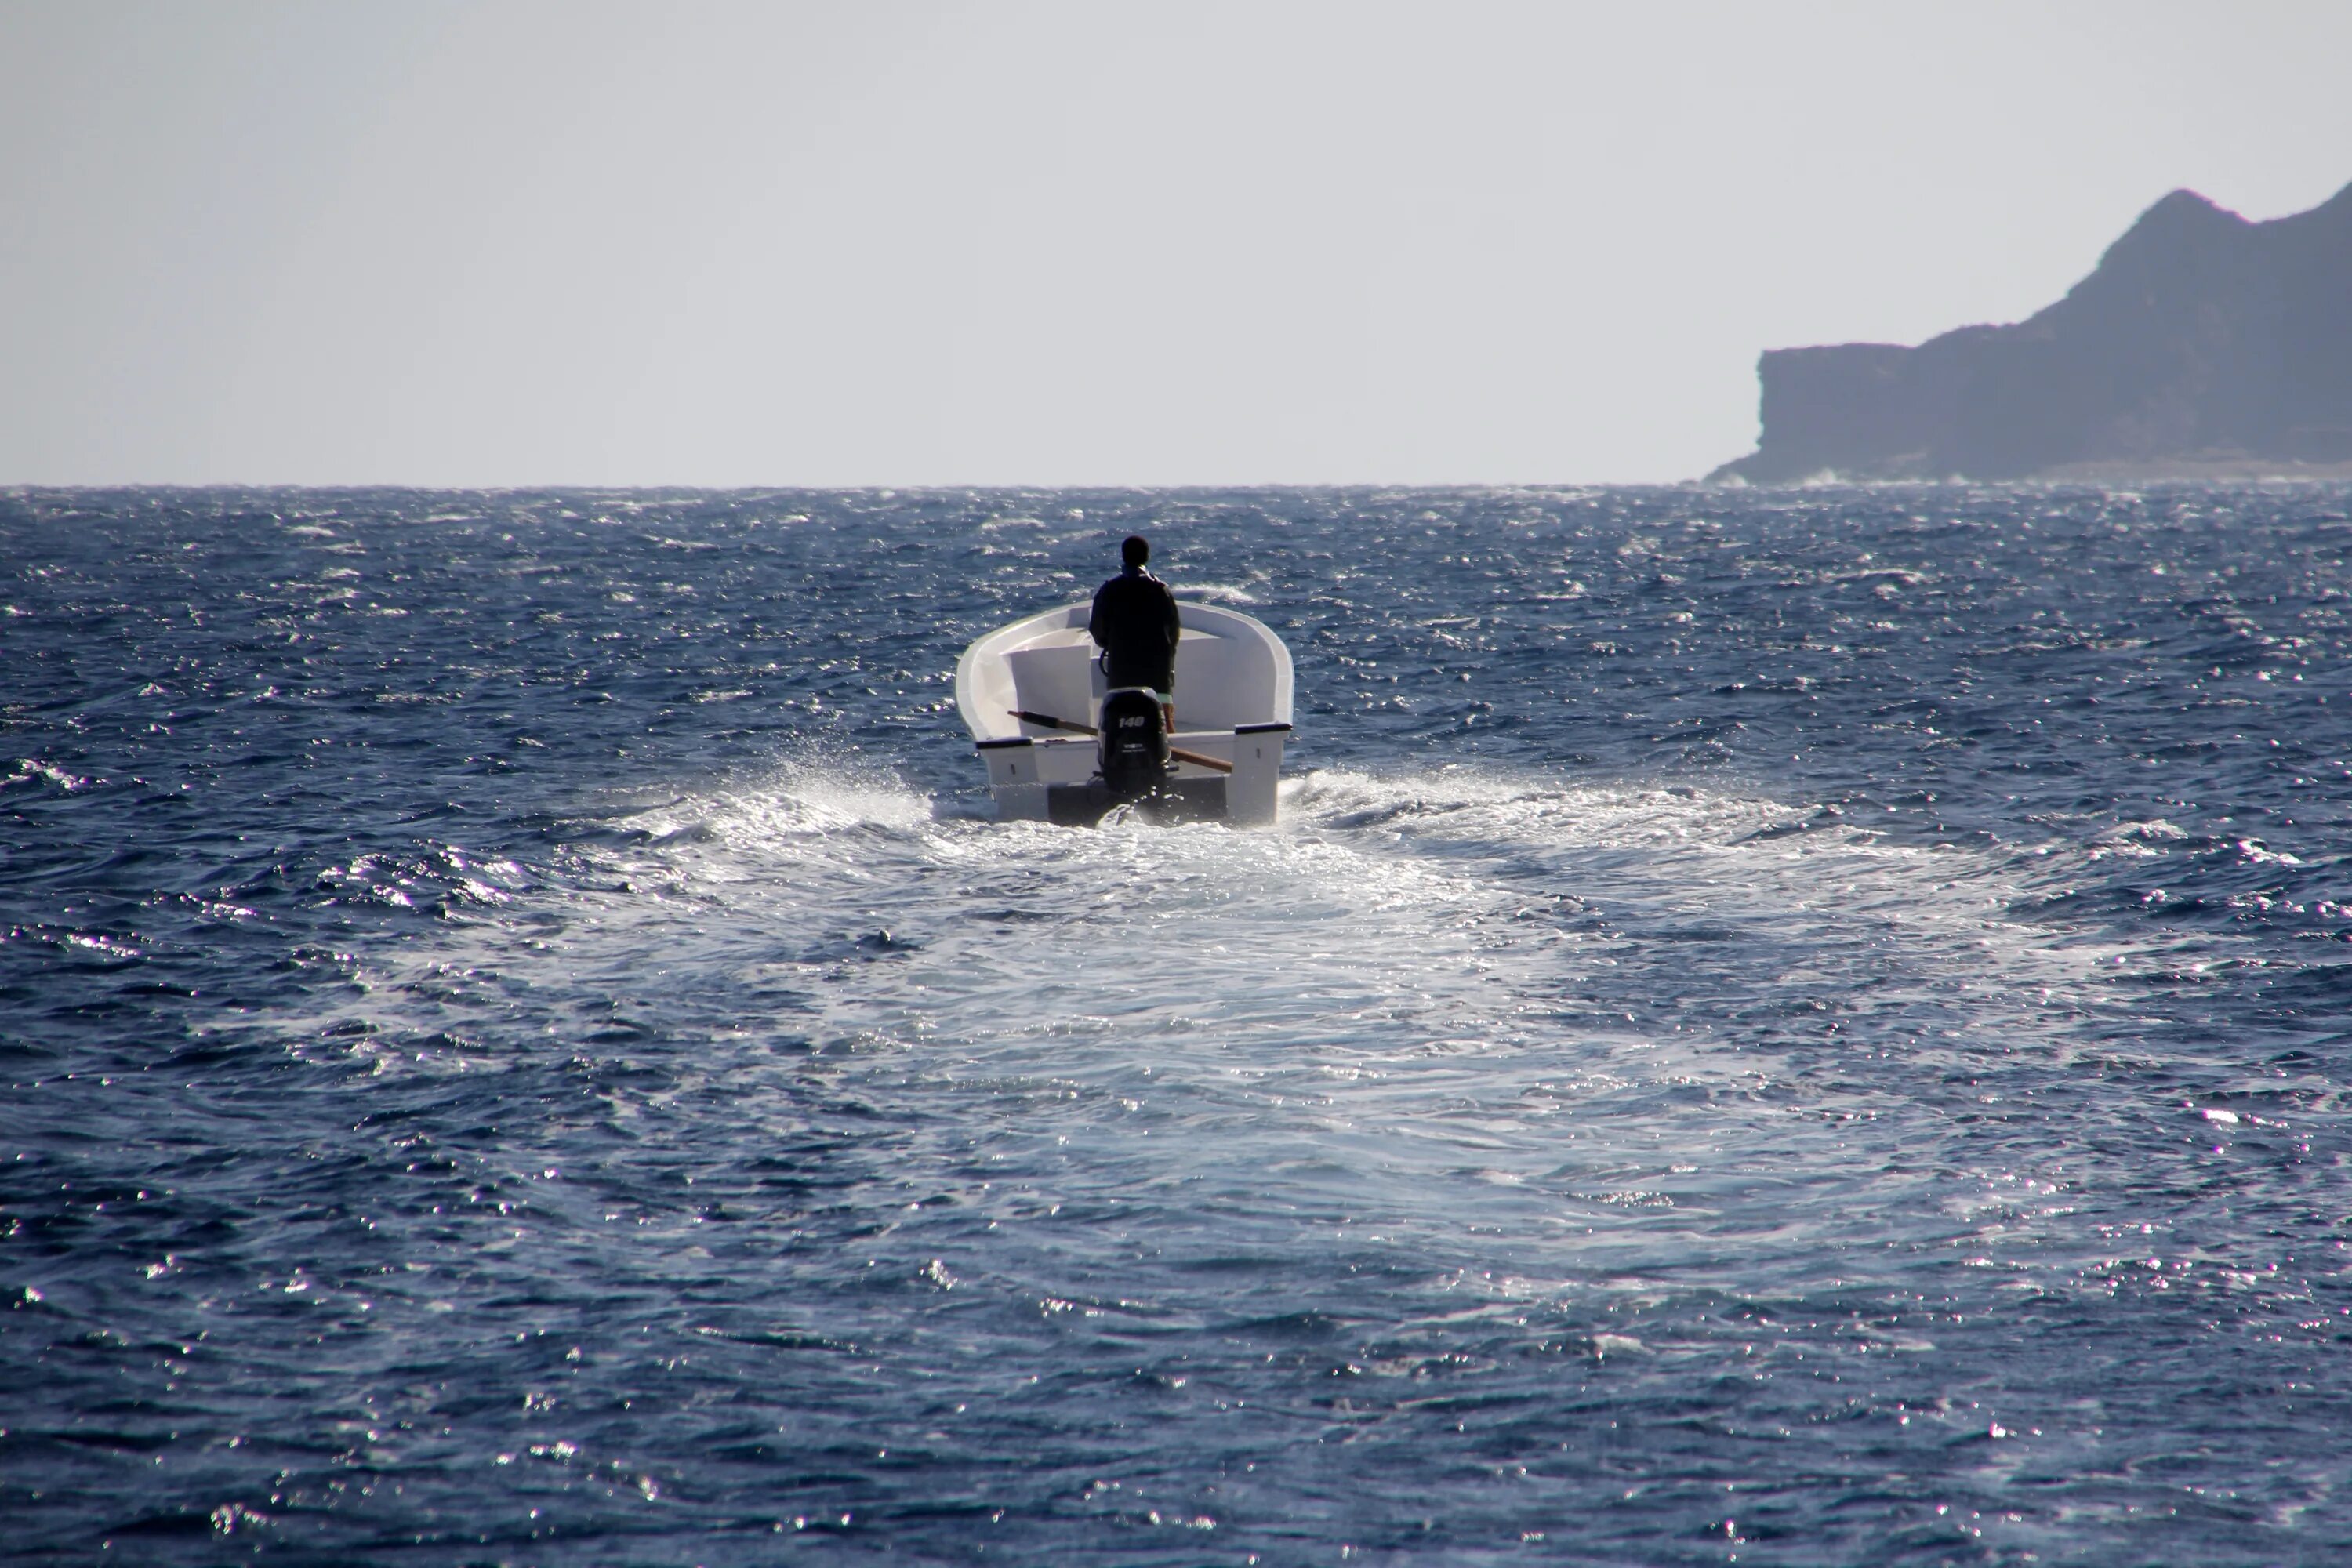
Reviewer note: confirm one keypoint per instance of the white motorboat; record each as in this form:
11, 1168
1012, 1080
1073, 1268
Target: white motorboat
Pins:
1034, 696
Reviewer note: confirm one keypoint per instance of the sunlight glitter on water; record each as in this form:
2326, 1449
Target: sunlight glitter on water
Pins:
1752, 1022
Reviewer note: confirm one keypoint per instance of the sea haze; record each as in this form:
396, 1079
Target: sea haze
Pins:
1798, 1026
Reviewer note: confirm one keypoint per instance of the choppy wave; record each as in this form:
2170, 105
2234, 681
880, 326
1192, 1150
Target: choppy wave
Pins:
1801, 1025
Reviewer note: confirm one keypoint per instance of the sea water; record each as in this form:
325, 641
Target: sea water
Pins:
1781, 1027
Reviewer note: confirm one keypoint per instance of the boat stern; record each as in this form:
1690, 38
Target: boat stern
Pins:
1041, 778
1253, 789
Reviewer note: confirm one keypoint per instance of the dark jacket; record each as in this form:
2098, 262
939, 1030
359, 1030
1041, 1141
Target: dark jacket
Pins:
1135, 619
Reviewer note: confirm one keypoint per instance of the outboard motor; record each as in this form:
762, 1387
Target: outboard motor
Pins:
1134, 748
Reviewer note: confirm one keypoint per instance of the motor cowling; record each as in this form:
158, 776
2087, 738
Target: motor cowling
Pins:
1134, 744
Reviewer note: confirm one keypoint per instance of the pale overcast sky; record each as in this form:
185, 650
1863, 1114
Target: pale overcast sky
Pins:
902, 244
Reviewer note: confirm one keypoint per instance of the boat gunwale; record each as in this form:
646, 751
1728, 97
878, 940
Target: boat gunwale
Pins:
996, 645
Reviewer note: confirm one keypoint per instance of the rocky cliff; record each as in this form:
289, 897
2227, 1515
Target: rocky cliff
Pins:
2200, 341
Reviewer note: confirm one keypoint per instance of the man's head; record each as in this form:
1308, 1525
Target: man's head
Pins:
1136, 551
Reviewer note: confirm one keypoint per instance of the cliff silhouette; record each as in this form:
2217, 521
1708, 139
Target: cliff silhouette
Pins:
2200, 344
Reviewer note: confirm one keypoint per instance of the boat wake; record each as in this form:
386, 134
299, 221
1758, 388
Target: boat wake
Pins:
1388, 919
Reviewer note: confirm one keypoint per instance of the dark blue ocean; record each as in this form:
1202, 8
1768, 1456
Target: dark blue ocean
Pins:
1795, 1027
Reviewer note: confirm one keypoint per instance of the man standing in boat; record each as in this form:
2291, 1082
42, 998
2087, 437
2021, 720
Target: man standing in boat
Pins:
1135, 623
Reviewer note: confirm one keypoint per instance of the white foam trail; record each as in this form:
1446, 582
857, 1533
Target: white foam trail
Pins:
1425, 1001
1405, 912
1400, 944
1695, 889
786, 806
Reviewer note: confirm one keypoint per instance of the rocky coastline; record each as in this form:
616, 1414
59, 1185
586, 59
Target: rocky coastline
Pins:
2202, 347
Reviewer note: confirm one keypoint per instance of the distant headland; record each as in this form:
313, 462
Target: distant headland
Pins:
2201, 346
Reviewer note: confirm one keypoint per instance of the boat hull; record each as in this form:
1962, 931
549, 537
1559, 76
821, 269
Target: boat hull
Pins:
1177, 801
1051, 779
1233, 700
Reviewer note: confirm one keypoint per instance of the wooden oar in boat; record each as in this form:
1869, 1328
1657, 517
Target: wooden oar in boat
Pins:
1214, 764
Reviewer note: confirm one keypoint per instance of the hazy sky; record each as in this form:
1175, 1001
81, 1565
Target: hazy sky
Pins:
1079, 243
